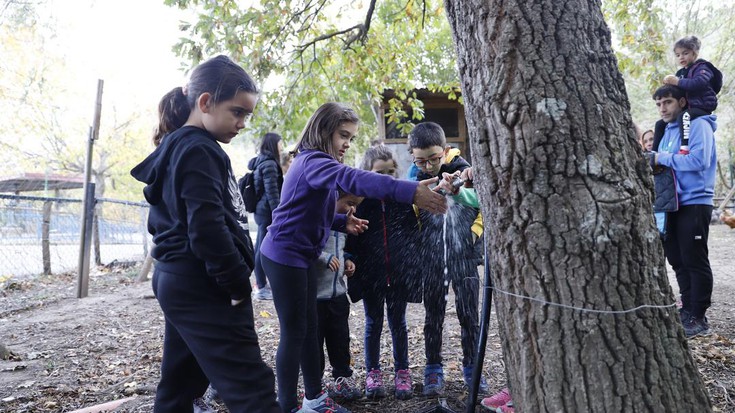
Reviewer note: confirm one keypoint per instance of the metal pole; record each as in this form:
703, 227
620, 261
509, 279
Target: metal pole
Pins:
487, 298
85, 236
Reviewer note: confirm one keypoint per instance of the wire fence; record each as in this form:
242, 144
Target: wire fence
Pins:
40, 235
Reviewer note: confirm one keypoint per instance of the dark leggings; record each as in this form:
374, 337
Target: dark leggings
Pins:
334, 331
686, 250
206, 339
375, 306
263, 221
294, 296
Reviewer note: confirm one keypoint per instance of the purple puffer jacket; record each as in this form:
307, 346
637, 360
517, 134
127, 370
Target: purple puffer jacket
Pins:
702, 82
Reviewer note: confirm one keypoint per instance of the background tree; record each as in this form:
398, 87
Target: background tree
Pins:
310, 51
567, 201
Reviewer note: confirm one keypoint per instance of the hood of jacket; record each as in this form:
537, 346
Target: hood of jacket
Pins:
152, 170
260, 158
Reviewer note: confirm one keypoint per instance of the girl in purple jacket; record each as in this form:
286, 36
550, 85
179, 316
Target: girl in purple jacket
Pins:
301, 226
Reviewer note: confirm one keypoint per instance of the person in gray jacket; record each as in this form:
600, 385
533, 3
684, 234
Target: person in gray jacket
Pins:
333, 307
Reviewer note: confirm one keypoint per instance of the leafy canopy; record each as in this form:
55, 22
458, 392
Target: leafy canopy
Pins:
308, 52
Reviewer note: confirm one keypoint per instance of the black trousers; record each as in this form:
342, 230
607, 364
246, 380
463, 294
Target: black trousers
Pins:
466, 285
206, 340
263, 221
334, 330
686, 250
294, 296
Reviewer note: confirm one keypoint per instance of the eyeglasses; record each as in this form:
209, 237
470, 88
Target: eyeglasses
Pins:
434, 160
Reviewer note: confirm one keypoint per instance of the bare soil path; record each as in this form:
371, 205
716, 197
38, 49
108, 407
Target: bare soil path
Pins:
66, 354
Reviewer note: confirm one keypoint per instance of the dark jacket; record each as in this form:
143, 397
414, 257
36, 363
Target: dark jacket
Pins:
385, 255
268, 178
462, 254
702, 82
197, 216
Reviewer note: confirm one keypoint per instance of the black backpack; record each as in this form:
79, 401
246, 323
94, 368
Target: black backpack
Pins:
247, 189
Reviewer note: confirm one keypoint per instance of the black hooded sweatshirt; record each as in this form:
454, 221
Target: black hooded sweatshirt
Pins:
197, 216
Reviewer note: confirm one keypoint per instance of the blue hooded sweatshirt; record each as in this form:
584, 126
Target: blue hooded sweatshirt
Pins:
302, 222
695, 171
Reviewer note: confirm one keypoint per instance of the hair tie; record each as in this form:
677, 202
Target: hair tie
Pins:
185, 90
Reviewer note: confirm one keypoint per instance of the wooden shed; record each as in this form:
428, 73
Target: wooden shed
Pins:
438, 108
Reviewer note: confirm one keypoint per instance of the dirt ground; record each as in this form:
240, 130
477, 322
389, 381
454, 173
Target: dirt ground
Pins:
66, 354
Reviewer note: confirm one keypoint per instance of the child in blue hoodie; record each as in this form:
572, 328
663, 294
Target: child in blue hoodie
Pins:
300, 229
204, 253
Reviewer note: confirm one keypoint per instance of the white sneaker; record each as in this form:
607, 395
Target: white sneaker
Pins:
264, 293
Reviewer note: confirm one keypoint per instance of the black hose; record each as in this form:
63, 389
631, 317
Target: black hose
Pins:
487, 298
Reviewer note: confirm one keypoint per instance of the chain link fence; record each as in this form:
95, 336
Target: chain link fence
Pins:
40, 235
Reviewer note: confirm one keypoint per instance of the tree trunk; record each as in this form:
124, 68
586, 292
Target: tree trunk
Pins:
567, 204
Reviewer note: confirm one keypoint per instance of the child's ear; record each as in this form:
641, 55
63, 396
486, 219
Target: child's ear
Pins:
204, 102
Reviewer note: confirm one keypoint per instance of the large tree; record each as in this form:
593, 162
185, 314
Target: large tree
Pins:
567, 200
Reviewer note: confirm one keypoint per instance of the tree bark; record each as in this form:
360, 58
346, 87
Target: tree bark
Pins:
566, 198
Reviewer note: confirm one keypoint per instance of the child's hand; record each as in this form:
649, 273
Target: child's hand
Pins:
355, 225
429, 200
334, 264
446, 183
349, 268
468, 176
671, 80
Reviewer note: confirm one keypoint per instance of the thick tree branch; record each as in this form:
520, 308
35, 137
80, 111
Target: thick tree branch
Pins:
360, 35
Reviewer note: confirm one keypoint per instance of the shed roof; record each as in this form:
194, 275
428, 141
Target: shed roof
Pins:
29, 182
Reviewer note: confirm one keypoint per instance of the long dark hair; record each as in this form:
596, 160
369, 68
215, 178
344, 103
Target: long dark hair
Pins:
219, 76
320, 128
269, 144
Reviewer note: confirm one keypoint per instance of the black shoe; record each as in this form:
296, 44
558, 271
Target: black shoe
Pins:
694, 327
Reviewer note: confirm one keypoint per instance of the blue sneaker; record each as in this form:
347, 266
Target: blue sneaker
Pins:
344, 388
433, 380
321, 404
467, 372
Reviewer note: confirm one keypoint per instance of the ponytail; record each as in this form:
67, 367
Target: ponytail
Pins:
218, 76
173, 112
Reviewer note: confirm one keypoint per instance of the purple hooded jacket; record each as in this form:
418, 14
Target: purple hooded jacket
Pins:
302, 222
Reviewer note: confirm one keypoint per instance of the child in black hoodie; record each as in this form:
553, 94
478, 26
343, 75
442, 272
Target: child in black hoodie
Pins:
204, 253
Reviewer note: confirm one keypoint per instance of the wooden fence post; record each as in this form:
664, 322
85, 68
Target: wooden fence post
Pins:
45, 237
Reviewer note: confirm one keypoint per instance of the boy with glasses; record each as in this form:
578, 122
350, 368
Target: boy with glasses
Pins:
433, 157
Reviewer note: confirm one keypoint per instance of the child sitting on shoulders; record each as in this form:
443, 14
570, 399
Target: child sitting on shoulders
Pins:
701, 81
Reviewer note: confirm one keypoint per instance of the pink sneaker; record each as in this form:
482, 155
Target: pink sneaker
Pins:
496, 400
374, 384
404, 387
